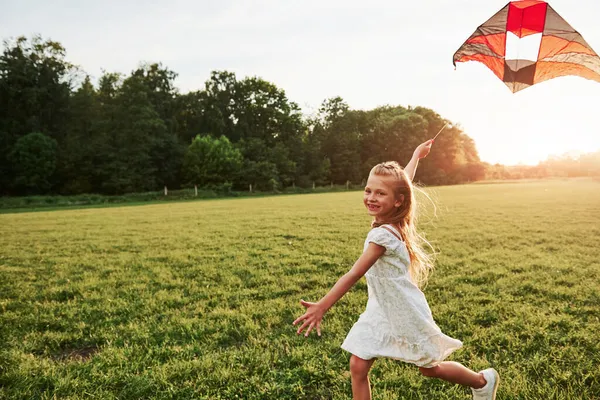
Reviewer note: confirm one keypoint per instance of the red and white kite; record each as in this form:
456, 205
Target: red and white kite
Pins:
561, 51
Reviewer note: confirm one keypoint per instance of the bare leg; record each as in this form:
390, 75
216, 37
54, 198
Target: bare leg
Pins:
359, 370
456, 373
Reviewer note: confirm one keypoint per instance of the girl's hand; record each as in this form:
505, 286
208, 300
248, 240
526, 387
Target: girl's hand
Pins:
423, 149
312, 318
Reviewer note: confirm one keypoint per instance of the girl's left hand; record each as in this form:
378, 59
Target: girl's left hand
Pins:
423, 149
312, 318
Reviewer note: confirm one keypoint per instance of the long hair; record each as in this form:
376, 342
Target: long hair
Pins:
405, 217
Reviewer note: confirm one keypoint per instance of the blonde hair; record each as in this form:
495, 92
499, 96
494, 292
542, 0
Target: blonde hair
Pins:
405, 217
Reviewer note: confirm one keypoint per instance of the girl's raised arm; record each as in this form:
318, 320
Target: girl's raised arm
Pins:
420, 152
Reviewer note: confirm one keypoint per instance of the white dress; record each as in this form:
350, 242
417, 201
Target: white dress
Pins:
397, 322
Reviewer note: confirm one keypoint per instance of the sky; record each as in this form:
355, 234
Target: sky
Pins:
371, 53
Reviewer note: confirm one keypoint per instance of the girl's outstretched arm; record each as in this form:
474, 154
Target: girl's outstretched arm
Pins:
315, 311
420, 152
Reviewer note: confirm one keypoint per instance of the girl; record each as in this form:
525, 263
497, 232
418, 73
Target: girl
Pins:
397, 322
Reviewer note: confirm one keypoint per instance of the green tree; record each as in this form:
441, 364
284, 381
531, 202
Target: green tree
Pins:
254, 112
33, 159
133, 129
165, 151
107, 125
35, 83
390, 133
262, 111
258, 170
211, 161
218, 99
190, 115
339, 140
78, 154
161, 92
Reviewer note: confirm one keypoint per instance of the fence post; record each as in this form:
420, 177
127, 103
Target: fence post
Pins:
166, 191
196, 190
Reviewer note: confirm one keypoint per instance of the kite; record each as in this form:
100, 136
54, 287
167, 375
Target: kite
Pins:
558, 49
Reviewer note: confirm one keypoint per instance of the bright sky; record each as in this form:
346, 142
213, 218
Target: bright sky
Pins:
370, 53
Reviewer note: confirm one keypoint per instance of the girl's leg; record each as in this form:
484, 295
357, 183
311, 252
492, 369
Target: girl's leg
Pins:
456, 373
359, 370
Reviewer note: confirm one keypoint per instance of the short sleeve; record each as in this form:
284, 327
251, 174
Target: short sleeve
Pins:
382, 237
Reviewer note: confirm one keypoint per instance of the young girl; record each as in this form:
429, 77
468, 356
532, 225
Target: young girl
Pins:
397, 322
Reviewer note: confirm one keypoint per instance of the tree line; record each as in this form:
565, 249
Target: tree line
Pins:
62, 134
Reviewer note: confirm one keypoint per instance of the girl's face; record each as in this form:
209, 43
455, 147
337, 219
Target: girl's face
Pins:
379, 197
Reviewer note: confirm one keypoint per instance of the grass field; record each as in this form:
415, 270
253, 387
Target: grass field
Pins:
196, 299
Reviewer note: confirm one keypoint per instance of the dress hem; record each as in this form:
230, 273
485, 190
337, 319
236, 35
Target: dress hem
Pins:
428, 364
403, 343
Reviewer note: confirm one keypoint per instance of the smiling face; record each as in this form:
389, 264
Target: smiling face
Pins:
379, 197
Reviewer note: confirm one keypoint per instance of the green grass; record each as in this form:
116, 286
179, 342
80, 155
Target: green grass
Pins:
16, 204
196, 299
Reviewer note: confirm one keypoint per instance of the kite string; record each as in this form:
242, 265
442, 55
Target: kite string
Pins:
443, 127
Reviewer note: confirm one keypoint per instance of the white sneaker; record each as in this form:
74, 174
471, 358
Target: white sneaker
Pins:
488, 392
